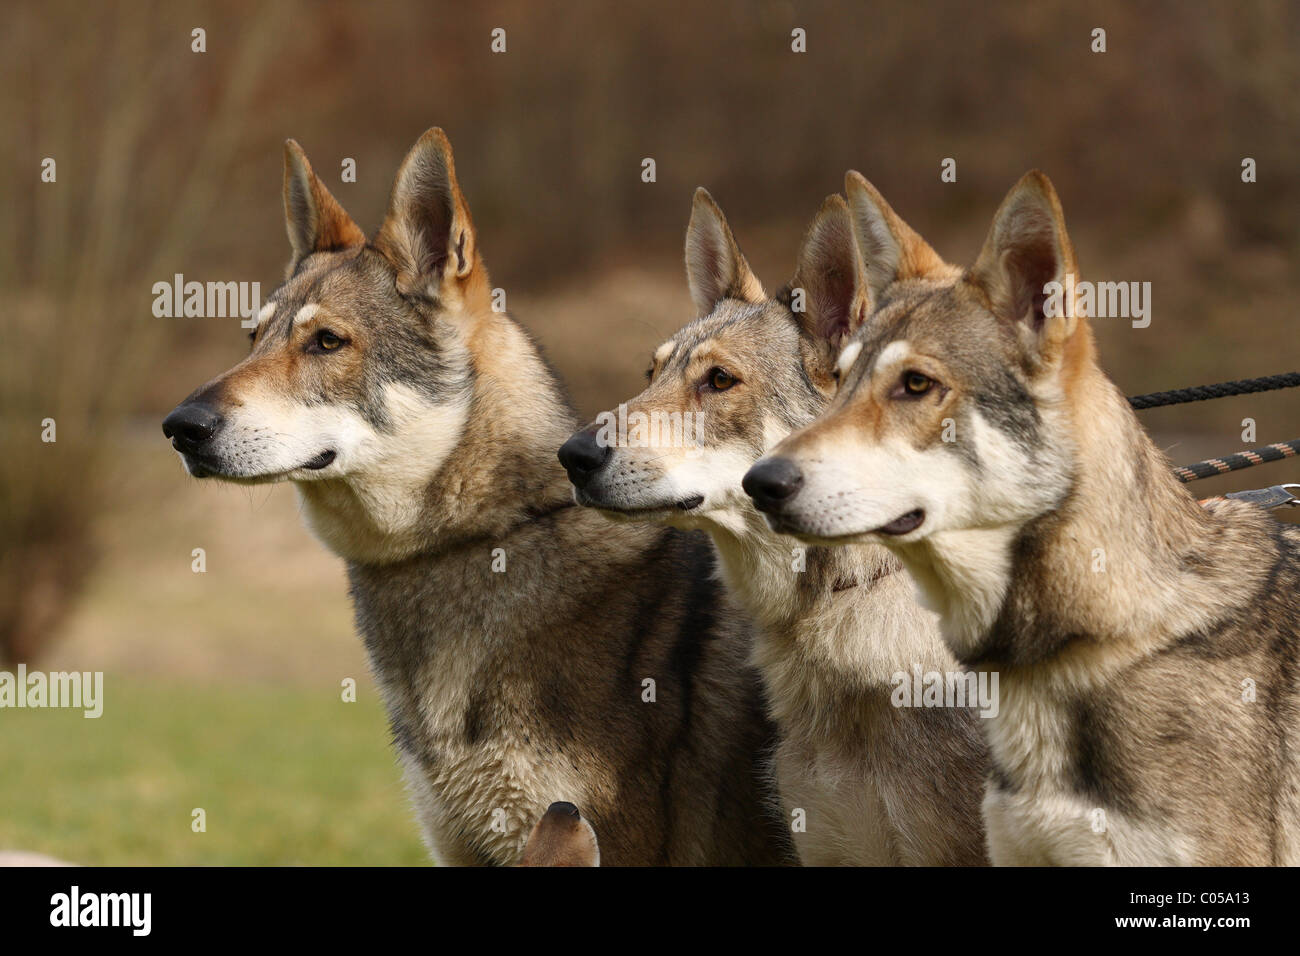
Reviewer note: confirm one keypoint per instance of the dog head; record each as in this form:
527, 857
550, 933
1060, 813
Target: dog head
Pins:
561, 838
951, 409
728, 386
357, 383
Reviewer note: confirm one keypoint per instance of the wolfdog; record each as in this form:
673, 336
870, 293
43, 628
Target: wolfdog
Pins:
1147, 645
526, 652
561, 838
863, 782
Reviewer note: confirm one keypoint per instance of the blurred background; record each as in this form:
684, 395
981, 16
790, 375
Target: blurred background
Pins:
223, 688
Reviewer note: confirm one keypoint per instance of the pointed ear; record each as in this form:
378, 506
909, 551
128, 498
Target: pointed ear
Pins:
428, 235
715, 268
890, 248
312, 217
830, 273
1027, 248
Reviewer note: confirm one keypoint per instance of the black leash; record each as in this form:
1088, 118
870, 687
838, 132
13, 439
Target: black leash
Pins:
1200, 393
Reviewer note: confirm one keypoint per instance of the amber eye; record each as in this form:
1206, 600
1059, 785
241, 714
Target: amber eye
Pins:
328, 340
720, 379
916, 384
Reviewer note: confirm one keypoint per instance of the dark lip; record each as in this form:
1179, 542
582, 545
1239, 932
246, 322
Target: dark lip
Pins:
777, 523
204, 466
903, 524
198, 465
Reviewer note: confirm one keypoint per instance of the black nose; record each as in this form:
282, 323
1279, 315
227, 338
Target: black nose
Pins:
563, 808
191, 425
582, 455
771, 483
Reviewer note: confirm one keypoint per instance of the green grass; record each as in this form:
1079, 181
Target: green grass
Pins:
286, 776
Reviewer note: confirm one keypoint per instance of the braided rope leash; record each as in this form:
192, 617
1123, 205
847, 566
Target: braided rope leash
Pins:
1244, 459
1201, 393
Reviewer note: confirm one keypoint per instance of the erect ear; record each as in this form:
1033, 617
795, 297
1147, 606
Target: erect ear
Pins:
715, 268
890, 248
427, 234
830, 273
312, 217
1027, 248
